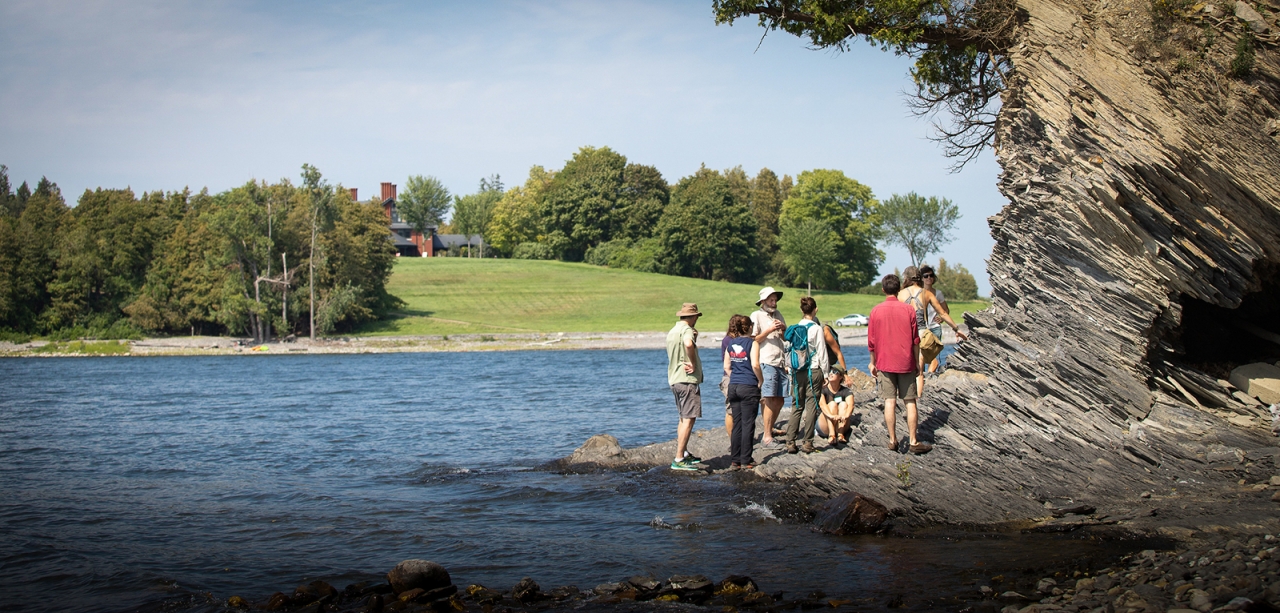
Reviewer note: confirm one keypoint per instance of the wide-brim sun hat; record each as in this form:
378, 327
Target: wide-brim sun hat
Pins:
766, 292
688, 310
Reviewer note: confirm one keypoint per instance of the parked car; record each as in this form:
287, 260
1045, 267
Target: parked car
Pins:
856, 319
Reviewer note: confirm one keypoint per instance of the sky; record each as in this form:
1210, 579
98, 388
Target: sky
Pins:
174, 94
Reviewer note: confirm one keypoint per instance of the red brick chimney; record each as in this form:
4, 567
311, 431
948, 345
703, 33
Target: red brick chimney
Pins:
354, 197
388, 191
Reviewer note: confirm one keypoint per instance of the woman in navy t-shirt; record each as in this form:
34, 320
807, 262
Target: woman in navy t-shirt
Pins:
742, 367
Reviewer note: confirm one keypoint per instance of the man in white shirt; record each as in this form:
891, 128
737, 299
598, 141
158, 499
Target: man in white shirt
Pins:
767, 326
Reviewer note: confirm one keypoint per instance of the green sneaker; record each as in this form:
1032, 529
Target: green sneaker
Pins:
684, 464
692, 459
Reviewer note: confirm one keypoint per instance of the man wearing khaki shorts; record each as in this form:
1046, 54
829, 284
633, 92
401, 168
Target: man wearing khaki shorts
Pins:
893, 340
684, 375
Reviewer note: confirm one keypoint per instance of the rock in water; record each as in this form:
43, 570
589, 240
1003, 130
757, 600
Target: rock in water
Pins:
527, 591
411, 574
851, 513
599, 449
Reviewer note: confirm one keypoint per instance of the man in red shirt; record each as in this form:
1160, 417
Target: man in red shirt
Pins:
893, 339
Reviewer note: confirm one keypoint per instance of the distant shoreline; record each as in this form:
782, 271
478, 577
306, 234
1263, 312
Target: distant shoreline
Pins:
222, 345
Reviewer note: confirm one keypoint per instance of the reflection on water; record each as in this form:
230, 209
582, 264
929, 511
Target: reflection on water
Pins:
127, 480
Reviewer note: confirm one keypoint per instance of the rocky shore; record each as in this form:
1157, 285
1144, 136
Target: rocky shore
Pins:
1209, 575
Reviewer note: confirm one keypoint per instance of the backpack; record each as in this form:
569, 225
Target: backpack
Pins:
796, 342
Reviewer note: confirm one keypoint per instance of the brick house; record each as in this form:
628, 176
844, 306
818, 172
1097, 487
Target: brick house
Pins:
410, 242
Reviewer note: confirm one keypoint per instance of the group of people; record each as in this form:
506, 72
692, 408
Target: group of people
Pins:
764, 361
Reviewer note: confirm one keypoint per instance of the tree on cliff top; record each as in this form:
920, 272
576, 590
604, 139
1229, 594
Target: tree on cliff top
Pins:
958, 47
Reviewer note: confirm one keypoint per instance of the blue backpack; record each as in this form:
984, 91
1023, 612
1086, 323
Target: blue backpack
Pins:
796, 342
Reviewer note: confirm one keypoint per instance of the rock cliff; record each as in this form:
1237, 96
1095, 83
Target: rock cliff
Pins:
1137, 262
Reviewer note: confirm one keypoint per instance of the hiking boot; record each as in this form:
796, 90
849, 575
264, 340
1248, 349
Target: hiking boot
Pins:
791, 448
683, 465
807, 447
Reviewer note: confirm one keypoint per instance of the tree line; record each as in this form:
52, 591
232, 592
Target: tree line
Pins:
820, 229
261, 259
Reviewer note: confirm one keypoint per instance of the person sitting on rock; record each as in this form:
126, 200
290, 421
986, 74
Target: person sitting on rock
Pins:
837, 408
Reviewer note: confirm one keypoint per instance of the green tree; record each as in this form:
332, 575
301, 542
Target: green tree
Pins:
580, 205
960, 51
183, 281
516, 214
242, 221
706, 233
31, 256
423, 203
642, 198
921, 225
319, 199
849, 210
956, 282
9, 205
809, 248
104, 249
473, 213
358, 264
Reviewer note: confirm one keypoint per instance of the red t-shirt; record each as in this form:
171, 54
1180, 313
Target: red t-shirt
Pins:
892, 334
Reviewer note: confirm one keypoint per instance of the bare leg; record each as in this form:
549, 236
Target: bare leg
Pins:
933, 366
772, 406
843, 423
911, 420
728, 422
682, 436
890, 404
920, 385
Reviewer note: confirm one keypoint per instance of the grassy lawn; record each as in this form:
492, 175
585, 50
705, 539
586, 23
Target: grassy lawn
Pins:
474, 296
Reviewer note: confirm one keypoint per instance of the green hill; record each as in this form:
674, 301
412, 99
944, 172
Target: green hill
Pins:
461, 296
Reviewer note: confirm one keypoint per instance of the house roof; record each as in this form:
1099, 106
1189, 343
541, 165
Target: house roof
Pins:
459, 239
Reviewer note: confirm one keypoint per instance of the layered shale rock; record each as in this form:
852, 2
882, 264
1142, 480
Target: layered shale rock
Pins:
1136, 264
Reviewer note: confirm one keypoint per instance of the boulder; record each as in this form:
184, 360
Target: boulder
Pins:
851, 513
1259, 379
1246, 14
411, 574
527, 590
598, 449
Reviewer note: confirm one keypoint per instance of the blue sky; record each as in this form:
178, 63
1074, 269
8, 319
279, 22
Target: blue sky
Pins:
162, 95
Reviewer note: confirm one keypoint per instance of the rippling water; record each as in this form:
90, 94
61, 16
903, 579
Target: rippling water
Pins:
126, 481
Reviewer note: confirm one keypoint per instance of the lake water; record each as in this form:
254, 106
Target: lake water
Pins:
125, 482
